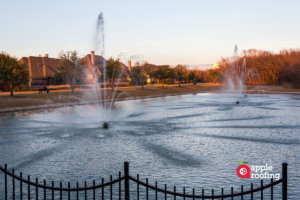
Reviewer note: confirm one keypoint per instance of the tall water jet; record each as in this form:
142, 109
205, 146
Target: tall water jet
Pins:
236, 74
99, 36
101, 74
98, 67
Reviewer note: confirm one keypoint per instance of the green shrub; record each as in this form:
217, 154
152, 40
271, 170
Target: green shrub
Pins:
22, 87
131, 83
167, 82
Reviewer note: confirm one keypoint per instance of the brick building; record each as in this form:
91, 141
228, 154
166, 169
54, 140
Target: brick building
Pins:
42, 70
95, 64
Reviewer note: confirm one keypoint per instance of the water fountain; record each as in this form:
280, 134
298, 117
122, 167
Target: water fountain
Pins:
105, 125
105, 110
235, 74
238, 76
102, 98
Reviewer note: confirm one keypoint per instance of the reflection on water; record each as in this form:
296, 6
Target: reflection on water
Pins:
187, 141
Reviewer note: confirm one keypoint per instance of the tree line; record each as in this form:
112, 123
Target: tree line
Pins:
141, 71
265, 67
72, 68
261, 67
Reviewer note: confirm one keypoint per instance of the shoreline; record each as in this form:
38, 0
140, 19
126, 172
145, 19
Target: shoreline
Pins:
58, 105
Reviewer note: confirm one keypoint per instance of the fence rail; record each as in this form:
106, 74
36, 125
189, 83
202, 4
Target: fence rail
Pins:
127, 191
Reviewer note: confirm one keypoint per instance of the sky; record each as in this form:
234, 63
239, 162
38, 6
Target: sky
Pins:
192, 32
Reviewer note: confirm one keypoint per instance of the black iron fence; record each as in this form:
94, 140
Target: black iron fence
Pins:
125, 192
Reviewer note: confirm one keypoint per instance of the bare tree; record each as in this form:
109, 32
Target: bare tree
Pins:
267, 67
181, 72
214, 75
141, 71
71, 67
162, 74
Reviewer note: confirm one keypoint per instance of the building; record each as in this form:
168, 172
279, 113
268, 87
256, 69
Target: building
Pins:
94, 68
41, 69
95, 65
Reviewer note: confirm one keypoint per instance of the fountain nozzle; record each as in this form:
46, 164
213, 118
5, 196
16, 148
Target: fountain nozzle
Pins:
237, 102
105, 125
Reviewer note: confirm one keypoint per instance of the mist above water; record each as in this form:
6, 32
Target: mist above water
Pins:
238, 76
99, 36
235, 74
101, 93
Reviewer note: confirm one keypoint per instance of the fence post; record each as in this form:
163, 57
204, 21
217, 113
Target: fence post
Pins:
5, 178
284, 181
126, 173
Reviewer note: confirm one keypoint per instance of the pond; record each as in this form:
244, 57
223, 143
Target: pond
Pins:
192, 141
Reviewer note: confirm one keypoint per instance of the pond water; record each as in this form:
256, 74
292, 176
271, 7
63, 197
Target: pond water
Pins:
192, 141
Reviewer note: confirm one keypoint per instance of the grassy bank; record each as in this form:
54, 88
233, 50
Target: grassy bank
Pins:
35, 99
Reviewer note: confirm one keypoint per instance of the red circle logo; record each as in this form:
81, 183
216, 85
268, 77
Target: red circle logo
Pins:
243, 171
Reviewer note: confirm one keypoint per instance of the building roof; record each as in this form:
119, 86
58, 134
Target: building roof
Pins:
94, 66
41, 67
